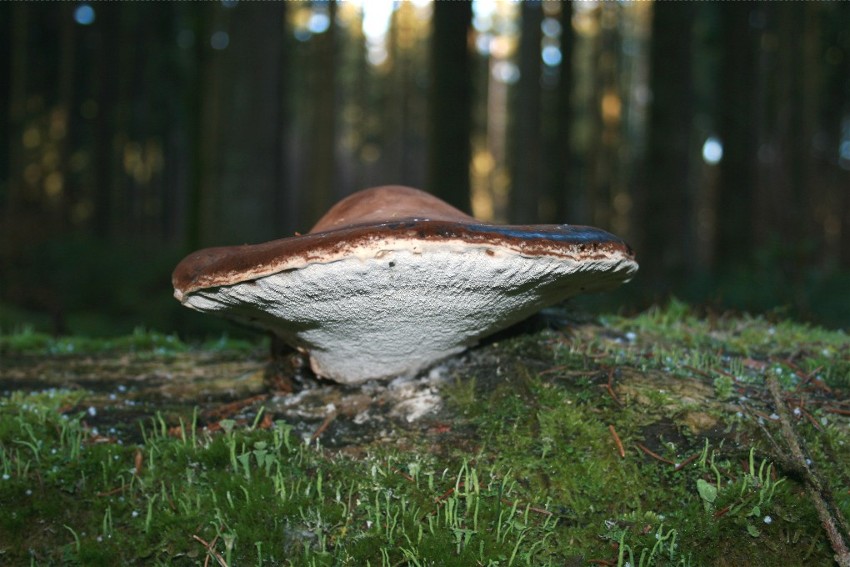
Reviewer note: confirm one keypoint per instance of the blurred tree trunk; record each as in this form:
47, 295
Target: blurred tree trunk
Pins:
564, 185
450, 104
6, 37
18, 38
838, 104
283, 224
396, 115
248, 148
586, 120
128, 123
794, 115
410, 117
354, 112
783, 206
738, 133
667, 202
828, 72
196, 129
66, 111
322, 77
525, 193
109, 34
604, 157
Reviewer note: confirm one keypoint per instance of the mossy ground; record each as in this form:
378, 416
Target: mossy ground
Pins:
649, 440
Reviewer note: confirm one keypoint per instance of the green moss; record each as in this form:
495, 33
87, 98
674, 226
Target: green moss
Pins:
142, 342
673, 372
246, 490
530, 473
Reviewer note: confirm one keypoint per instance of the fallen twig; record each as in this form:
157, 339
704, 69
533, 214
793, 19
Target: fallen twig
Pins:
806, 378
686, 462
829, 514
534, 509
210, 551
113, 492
138, 462
654, 455
839, 411
657, 457
610, 387
232, 408
695, 370
444, 496
811, 419
324, 425
404, 475
722, 512
617, 441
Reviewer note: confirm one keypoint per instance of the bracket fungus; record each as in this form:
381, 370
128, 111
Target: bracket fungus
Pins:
392, 280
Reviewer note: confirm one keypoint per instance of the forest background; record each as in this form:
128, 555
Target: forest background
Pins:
714, 137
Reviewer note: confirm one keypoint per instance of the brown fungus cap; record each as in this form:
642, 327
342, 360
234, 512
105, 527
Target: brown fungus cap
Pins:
393, 279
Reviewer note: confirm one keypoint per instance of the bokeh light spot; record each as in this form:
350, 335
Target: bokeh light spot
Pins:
712, 151
219, 40
84, 15
551, 55
505, 72
319, 22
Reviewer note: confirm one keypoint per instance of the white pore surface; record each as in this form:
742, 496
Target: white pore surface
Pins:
392, 312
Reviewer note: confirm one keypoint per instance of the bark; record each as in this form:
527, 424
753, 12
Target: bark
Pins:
564, 183
526, 189
18, 63
322, 77
738, 132
196, 127
283, 223
108, 37
840, 106
248, 149
5, 95
450, 104
66, 108
607, 99
667, 204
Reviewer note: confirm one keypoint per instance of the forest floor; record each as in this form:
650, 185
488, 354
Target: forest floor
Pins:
661, 439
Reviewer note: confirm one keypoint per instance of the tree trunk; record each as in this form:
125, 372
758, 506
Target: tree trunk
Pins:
525, 193
450, 104
839, 105
783, 204
667, 203
66, 109
108, 34
196, 108
283, 224
564, 184
18, 38
738, 133
322, 77
604, 152
247, 150
6, 38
